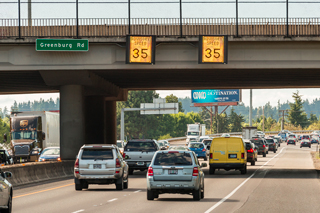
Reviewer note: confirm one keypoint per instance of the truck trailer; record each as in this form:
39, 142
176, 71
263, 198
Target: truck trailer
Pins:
31, 132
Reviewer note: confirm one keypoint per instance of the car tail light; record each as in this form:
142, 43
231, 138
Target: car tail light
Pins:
124, 155
242, 155
274, 144
264, 145
210, 155
58, 159
150, 171
76, 166
118, 165
250, 150
195, 171
204, 150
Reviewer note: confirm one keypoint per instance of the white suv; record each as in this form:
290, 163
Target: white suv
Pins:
100, 164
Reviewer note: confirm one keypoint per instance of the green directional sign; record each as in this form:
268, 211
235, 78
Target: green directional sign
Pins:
62, 45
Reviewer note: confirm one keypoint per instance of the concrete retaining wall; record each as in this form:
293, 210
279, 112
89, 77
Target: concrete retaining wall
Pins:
40, 171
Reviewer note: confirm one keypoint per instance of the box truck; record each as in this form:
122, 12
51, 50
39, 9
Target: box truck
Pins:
194, 131
31, 132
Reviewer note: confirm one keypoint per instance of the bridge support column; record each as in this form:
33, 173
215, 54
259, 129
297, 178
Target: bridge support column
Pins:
111, 122
95, 120
72, 121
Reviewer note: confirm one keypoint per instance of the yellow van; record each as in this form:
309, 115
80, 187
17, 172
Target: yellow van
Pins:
228, 153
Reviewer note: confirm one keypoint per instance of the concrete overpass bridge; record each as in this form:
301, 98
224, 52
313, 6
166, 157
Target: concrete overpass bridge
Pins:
91, 82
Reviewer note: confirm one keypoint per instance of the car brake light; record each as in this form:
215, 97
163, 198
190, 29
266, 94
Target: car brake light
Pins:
150, 171
118, 165
204, 150
76, 166
210, 155
264, 145
274, 144
242, 155
250, 150
195, 171
124, 155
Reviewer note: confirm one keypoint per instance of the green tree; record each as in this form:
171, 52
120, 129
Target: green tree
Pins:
235, 121
4, 128
313, 118
297, 116
222, 122
174, 99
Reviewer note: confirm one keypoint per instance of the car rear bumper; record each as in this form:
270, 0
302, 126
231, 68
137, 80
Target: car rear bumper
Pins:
173, 186
227, 165
305, 145
135, 164
97, 177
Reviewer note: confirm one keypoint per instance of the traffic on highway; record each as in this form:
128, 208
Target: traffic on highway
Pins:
233, 173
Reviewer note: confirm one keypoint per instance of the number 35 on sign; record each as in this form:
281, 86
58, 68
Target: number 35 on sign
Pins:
213, 49
140, 50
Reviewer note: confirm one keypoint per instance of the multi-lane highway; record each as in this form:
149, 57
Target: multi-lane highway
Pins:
282, 182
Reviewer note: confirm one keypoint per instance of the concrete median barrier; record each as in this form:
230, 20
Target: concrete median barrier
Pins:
39, 171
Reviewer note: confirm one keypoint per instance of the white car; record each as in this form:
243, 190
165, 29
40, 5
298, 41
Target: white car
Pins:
121, 144
202, 138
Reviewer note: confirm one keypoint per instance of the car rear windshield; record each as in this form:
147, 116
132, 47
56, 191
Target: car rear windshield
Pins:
248, 146
93, 154
257, 142
270, 140
141, 146
207, 142
171, 159
119, 144
196, 145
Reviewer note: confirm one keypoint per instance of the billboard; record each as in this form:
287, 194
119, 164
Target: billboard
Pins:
215, 96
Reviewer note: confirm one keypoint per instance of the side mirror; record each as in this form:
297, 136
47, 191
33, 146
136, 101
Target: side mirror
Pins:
4, 137
8, 174
43, 136
204, 165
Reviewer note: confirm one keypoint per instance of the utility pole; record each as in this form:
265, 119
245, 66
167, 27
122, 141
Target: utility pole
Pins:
216, 114
29, 13
211, 117
282, 114
250, 110
263, 119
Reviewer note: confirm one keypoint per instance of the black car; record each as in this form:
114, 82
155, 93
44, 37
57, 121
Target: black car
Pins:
261, 146
5, 158
272, 145
314, 140
305, 143
291, 141
252, 152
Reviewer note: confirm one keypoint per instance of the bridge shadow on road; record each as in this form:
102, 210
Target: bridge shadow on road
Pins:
191, 199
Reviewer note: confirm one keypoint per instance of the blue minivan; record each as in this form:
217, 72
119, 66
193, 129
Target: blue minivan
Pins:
199, 149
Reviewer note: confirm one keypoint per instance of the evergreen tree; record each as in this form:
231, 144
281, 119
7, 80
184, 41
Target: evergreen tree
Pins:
174, 99
313, 118
235, 121
297, 116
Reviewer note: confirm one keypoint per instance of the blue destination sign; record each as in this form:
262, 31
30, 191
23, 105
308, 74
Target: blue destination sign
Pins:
215, 96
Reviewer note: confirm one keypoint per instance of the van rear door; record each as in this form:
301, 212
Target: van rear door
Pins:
234, 150
219, 147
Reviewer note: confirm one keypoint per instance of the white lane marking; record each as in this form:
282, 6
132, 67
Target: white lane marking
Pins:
113, 200
236, 189
137, 191
81, 210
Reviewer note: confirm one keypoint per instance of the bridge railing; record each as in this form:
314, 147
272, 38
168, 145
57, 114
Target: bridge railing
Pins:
169, 27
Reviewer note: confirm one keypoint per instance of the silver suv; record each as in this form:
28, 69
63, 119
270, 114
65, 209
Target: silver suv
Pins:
175, 172
5, 192
100, 164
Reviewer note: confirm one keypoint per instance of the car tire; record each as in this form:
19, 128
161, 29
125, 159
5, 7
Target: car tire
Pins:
9, 209
78, 186
205, 158
309, 146
253, 162
155, 195
267, 152
264, 154
126, 184
120, 186
130, 171
202, 192
274, 151
197, 194
244, 170
211, 170
150, 195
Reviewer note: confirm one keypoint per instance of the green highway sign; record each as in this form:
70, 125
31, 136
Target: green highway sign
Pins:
62, 45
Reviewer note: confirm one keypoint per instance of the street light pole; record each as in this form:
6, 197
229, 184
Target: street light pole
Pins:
29, 13
250, 110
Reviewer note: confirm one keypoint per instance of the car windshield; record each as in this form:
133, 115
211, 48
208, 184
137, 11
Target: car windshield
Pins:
95, 154
171, 159
248, 146
305, 136
119, 144
207, 142
51, 151
178, 148
256, 142
141, 146
193, 133
270, 140
196, 145
160, 143
24, 135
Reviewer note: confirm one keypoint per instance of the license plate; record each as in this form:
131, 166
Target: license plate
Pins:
140, 163
173, 171
232, 155
97, 166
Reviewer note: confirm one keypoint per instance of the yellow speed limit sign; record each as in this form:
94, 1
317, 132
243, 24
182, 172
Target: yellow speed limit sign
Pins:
213, 49
140, 50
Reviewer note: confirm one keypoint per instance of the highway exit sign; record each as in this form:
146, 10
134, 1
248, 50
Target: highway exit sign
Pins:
77, 45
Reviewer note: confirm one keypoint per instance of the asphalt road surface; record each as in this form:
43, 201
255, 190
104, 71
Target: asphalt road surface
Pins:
285, 181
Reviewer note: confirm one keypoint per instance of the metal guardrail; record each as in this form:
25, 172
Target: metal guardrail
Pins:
119, 27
